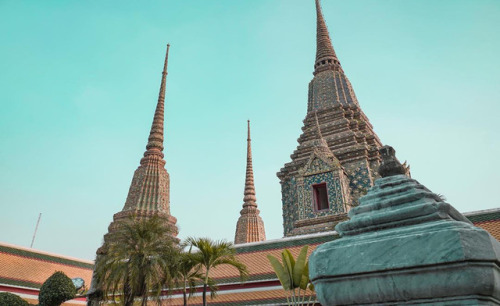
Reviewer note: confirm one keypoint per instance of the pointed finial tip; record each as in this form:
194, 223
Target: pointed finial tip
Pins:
326, 59
248, 129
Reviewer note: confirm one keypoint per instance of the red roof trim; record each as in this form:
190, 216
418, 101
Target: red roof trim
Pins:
31, 292
258, 284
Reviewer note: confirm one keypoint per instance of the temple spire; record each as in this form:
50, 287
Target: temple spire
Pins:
337, 140
250, 227
155, 140
249, 198
149, 191
326, 59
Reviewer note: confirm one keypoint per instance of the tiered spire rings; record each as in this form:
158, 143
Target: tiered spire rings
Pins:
249, 198
149, 191
326, 59
250, 227
155, 140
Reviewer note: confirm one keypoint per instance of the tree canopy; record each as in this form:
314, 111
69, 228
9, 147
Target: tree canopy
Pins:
211, 254
139, 259
57, 289
9, 299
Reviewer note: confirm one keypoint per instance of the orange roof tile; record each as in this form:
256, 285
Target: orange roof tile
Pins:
493, 227
256, 262
236, 298
23, 270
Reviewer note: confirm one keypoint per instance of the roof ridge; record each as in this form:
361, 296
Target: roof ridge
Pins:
479, 212
35, 251
285, 239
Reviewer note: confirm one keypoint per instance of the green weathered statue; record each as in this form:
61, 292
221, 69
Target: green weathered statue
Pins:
404, 245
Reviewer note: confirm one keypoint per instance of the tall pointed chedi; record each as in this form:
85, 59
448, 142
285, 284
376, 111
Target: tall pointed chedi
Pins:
318, 189
250, 227
149, 192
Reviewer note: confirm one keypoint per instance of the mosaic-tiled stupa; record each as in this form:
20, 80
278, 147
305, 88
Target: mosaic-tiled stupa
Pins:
149, 192
318, 189
250, 227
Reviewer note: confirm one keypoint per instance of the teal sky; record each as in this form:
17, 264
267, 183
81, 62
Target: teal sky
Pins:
79, 83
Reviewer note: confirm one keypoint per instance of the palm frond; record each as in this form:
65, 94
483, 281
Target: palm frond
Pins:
139, 259
209, 254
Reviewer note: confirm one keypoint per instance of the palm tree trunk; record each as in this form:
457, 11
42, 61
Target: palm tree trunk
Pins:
205, 294
144, 293
128, 297
184, 295
205, 285
129, 301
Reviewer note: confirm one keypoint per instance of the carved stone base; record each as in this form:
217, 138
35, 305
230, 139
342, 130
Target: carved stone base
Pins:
439, 263
403, 245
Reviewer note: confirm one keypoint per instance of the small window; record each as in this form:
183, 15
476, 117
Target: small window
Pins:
320, 197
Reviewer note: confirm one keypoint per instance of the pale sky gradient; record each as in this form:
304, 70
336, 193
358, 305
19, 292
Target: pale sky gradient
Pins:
79, 83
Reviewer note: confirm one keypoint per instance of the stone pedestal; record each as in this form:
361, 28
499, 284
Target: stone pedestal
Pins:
404, 246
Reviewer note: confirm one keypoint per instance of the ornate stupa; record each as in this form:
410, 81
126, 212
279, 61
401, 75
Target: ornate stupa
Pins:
149, 192
250, 227
317, 191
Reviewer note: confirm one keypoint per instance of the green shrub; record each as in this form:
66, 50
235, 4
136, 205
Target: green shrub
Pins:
294, 276
9, 299
56, 289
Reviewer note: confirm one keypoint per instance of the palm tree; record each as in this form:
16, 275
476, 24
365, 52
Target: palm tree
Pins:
188, 273
211, 254
138, 261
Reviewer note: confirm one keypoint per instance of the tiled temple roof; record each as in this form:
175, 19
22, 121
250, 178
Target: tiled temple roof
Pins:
486, 219
23, 270
483, 215
273, 296
254, 255
262, 286
26, 269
